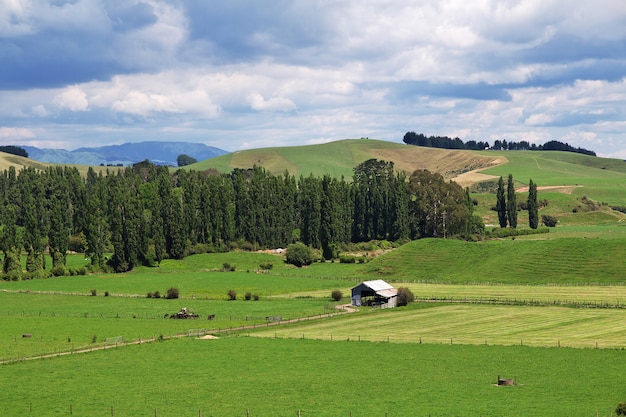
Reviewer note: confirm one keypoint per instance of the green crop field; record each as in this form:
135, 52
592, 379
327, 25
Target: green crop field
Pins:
239, 376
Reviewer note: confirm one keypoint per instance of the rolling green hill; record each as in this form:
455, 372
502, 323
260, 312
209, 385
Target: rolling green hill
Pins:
556, 261
339, 158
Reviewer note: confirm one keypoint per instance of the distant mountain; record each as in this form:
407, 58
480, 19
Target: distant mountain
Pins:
161, 153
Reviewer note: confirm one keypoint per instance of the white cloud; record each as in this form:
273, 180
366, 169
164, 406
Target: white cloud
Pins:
73, 98
16, 133
257, 102
39, 110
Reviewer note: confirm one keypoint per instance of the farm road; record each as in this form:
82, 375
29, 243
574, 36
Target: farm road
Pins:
342, 309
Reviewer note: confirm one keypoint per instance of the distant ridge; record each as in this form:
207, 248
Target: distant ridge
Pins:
161, 153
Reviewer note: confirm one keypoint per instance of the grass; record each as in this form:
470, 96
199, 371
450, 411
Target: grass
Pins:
63, 323
340, 157
530, 262
279, 377
471, 324
600, 179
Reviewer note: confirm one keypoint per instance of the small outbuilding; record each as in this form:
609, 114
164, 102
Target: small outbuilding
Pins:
375, 293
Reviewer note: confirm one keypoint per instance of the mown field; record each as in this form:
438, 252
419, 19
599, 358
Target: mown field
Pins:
239, 376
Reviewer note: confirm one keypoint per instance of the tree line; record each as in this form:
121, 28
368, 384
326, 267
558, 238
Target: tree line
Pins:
143, 214
507, 206
444, 142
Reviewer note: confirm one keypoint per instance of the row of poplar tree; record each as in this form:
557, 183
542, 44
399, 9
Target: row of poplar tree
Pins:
143, 214
507, 207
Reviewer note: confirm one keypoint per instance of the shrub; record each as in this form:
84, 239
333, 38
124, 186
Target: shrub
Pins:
157, 294
94, 292
336, 295
226, 267
255, 297
148, 294
266, 266
621, 409
172, 293
58, 271
405, 296
299, 254
549, 221
232, 295
347, 260
106, 294
248, 296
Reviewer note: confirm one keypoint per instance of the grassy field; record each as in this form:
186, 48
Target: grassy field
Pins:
339, 158
471, 324
238, 376
531, 262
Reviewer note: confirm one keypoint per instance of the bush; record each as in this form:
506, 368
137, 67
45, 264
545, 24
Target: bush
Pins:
266, 266
248, 296
255, 297
232, 295
336, 295
59, 271
106, 294
405, 296
549, 221
621, 409
94, 292
226, 267
347, 260
148, 294
172, 293
157, 294
299, 254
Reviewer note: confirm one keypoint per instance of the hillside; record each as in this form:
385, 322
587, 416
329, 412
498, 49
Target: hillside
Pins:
564, 261
340, 157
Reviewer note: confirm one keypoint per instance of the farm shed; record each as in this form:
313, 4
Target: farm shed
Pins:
374, 293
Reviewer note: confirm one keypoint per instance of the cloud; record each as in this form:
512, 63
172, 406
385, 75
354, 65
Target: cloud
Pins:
16, 133
73, 99
313, 70
257, 102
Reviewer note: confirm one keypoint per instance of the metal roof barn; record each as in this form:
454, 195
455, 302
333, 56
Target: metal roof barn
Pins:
376, 293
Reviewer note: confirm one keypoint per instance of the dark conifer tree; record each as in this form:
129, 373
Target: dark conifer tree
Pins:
501, 204
511, 203
533, 206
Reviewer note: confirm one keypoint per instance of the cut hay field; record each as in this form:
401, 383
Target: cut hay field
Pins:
471, 324
239, 376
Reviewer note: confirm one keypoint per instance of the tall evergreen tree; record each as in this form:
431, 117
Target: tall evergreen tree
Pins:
501, 204
511, 203
533, 206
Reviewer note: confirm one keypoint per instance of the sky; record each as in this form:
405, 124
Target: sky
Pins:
243, 74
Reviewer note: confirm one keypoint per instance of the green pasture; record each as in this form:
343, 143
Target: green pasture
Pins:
601, 296
600, 179
238, 376
58, 323
335, 158
531, 262
470, 324
202, 276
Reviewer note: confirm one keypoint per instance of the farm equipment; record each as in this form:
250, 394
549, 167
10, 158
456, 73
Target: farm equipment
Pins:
184, 313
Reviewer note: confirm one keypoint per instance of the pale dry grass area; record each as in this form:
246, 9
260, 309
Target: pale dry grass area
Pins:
472, 324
